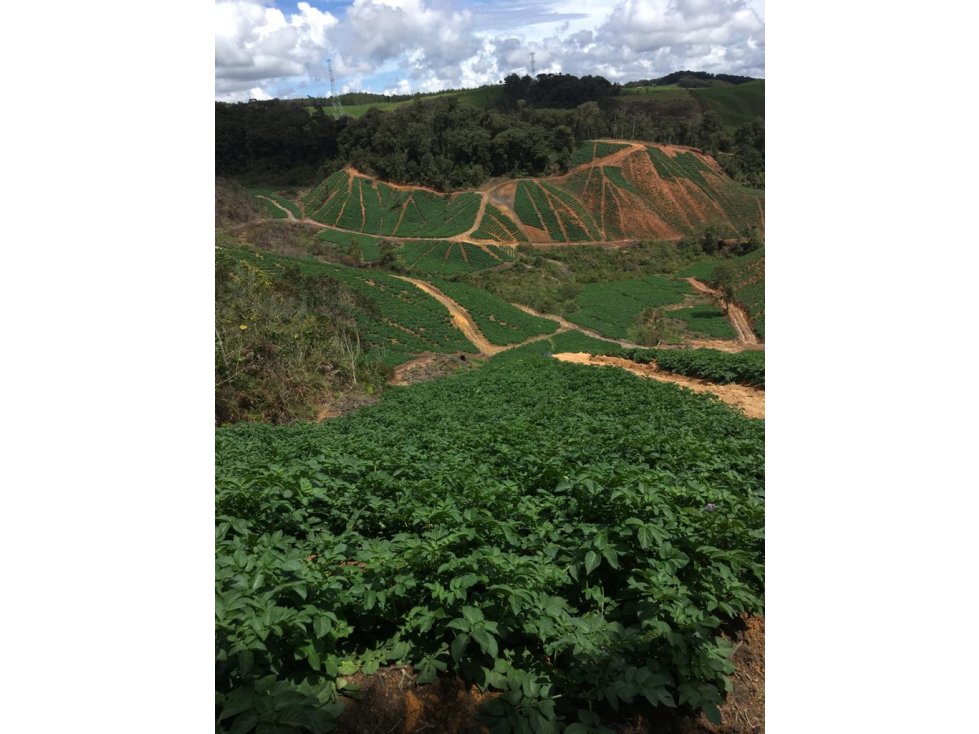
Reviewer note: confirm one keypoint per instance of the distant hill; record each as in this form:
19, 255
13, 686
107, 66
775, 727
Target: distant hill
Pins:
615, 190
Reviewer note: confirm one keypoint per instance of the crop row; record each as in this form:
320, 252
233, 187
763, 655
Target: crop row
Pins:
274, 211
499, 227
746, 368
617, 178
592, 150
500, 322
705, 319
611, 308
407, 321
524, 206
547, 215
682, 165
363, 205
575, 209
324, 190
367, 246
573, 539
449, 258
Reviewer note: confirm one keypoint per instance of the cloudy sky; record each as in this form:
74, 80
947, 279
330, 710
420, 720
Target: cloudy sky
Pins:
280, 48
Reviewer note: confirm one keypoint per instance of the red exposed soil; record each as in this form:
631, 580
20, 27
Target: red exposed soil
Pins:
460, 317
664, 210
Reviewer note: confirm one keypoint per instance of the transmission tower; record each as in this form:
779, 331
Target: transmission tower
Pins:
533, 69
337, 107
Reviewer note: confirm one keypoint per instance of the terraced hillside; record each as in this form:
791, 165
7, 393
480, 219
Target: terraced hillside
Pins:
639, 191
616, 190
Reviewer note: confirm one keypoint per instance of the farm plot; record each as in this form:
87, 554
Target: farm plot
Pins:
749, 283
543, 205
501, 323
592, 150
745, 368
611, 308
284, 201
367, 247
498, 227
705, 319
510, 525
407, 321
682, 165
438, 257
360, 204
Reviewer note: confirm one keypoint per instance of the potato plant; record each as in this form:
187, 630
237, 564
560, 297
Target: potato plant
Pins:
570, 537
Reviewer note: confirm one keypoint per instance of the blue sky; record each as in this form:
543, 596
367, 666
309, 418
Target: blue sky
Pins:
274, 48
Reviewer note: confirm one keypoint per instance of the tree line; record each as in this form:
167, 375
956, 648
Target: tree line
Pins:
446, 145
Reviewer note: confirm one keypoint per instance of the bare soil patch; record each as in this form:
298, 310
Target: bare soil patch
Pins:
429, 367
335, 406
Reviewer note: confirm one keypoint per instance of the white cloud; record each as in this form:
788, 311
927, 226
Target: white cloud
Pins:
434, 44
254, 42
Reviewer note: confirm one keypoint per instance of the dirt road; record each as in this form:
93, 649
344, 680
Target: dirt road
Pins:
736, 315
748, 400
460, 317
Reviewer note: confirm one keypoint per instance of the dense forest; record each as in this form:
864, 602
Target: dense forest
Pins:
445, 144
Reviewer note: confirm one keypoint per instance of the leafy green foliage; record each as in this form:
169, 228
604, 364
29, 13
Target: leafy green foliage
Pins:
500, 322
284, 343
746, 368
611, 308
592, 150
405, 321
525, 207
449, 258
705, 319
497, 226
573, 538
367, 248
748, 283
365, 205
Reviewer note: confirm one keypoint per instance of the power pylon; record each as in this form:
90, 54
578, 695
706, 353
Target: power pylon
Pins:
533, 69
337, 107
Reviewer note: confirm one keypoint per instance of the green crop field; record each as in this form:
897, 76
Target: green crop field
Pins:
364, 205
611, 308
563, 217
749, 283
368, 247
264, 193
735, 104
591, 150
500, 322
746, 368
705, 319
572, 538
407, 322
498, 227
449, 258
481, 97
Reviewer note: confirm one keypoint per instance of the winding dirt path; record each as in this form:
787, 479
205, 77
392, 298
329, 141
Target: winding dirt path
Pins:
748, 400
568, 326
478, 222
736, 315
460, 317
289, 214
